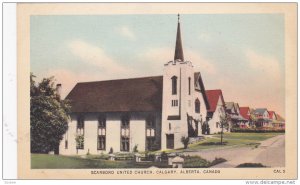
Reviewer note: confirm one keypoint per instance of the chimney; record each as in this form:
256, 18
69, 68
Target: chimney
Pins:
58, 91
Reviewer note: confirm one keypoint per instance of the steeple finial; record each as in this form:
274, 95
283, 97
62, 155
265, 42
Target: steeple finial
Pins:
178, 47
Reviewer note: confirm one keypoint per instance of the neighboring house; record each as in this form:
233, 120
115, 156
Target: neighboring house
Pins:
273, 119
263, 118
233, 111
151, 112
281, 121
245, 113
217, 109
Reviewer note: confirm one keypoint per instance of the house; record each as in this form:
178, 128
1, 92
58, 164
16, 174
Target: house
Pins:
233, 112
263, 118
281, 121
273, 119
216, 111
245, 113
149, 113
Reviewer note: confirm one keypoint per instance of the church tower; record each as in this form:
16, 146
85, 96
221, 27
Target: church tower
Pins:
178, 97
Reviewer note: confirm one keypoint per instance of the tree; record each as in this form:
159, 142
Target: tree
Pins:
48, 116
224, 123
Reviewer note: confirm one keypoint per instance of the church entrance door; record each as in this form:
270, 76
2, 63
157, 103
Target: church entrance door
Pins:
170, 141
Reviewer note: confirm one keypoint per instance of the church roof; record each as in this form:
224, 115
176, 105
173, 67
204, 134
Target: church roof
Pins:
123, 95
137, 94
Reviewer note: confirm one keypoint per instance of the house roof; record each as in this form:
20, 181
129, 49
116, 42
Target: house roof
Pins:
229, 105
279, 118
260, 111
271, 113
213, 98
244, 112
123, 95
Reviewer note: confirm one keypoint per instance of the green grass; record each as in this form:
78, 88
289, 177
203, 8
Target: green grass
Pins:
41, 161
232, 140
45, 161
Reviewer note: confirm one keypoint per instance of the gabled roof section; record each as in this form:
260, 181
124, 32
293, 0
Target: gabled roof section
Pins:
271, 114
199, 83
138, 94
260, 111
213, 97
279, 118
244, 112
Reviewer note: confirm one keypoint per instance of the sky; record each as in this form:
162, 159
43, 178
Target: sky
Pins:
242, 54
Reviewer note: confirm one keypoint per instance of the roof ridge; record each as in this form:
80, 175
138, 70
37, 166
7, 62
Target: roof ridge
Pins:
119, 79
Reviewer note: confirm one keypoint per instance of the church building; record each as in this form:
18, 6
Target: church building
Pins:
148, 113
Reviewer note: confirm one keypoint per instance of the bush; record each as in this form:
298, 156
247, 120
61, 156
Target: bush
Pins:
257, 130
195, 162
251, 165
217, 161
185, 141
135, 149
111, 150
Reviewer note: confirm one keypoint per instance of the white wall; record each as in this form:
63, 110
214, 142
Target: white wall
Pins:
216, 118
113, 133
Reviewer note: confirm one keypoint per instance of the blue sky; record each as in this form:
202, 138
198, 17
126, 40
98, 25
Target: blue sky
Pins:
242, 54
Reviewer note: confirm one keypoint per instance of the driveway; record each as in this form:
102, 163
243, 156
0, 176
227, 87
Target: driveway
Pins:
271, 153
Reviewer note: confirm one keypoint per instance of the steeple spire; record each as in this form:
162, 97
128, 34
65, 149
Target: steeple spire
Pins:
178, 47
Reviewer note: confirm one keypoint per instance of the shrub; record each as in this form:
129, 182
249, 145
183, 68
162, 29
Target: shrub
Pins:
135, 149
111, 150
195, 162
217, 161
251, 165
185, 141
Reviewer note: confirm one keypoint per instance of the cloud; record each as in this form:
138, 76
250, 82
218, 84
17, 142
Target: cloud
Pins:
127, 33
204, 36
267, 65
96, 56
69, 79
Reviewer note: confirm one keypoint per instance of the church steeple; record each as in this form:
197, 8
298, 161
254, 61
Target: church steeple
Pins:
178, 47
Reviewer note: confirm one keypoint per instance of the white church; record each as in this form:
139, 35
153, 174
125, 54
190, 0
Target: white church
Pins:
148, 113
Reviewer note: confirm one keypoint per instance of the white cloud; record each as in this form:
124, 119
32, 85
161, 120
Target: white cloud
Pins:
127, 33
69, 79
267, 66
204, 36
96, 56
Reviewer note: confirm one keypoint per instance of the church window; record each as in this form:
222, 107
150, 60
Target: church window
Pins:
80, 133
125, 123
101, 140
174, 85
197, 106
170, 126
150, 132
80, 125
189, 85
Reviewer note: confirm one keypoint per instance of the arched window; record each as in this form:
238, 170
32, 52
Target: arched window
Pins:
197, 106
189, 85
174, 85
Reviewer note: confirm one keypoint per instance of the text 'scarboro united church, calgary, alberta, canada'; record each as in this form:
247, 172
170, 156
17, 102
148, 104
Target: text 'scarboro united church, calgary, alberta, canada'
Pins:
148, 113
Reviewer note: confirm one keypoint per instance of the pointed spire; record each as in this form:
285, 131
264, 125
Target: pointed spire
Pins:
178, 47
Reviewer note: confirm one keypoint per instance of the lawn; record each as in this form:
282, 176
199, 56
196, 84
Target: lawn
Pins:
232, 139
46, 161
